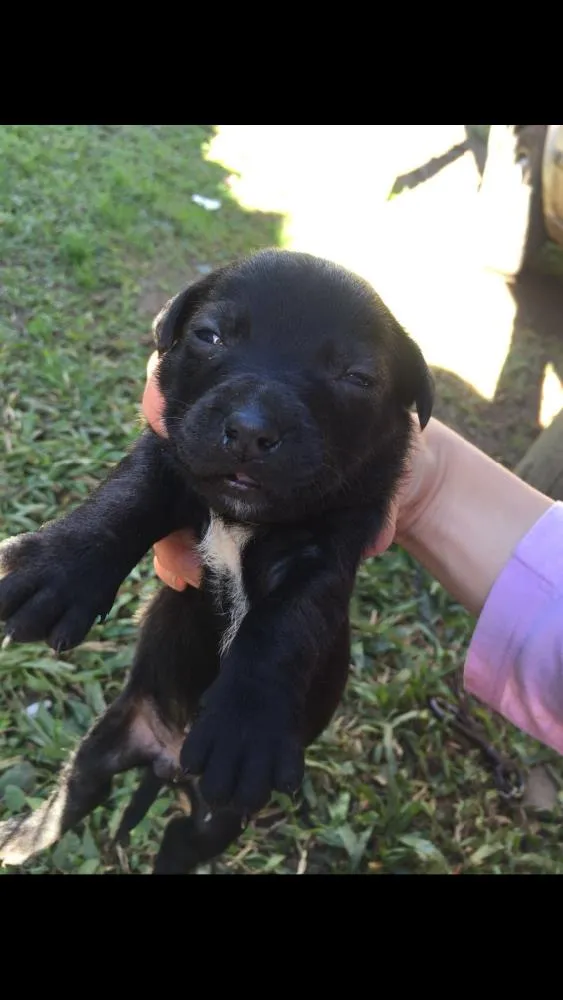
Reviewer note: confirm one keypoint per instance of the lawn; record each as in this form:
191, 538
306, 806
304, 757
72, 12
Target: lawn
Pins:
97, 228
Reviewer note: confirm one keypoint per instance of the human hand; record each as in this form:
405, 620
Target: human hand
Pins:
176, 561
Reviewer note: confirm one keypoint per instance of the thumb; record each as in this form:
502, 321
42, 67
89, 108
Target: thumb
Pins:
153, 400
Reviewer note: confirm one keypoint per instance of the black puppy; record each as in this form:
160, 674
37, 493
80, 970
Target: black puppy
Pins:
287, 385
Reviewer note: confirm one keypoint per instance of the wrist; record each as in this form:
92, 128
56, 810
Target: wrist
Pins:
467, 515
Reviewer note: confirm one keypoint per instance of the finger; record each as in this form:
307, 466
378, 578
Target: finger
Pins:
172, 581
178, 555
153, 400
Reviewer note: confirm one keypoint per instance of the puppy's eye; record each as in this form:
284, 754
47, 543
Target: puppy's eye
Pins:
360, 379
208, 336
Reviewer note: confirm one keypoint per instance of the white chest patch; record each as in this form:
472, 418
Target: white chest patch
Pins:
221, 552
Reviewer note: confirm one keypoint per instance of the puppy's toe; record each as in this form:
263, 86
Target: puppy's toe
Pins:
197, 747
290, 769
71, 629
254, 786
15, 591
218, 782
35, 618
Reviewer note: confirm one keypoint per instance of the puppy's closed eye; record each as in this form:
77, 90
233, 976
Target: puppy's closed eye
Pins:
360, 379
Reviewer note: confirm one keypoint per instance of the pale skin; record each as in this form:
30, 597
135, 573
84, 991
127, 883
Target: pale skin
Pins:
459, 513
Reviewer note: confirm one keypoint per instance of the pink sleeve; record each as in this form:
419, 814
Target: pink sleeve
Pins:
515, 660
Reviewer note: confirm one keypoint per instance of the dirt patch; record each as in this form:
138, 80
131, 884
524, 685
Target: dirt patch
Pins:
506, 426
158, 287
496, 348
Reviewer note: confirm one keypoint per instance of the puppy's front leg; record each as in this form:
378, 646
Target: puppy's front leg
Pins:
249, 738
55, 582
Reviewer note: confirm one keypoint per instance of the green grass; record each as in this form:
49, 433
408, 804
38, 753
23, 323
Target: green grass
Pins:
95, 222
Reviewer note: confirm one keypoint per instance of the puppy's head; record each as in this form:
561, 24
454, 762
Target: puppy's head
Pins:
285, 377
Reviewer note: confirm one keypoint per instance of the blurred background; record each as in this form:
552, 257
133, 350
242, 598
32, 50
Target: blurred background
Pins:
99, 225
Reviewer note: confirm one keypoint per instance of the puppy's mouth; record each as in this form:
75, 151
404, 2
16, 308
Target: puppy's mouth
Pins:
242, 483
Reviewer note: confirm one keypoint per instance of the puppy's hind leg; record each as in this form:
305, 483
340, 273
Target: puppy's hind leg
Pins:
147, 793
190, 841
176, 659
84, 783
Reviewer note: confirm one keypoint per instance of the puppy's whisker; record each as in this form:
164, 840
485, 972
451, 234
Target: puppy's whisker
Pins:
177, 401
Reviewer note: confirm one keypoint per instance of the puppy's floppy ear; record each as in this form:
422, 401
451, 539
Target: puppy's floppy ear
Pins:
169, 324
416, 384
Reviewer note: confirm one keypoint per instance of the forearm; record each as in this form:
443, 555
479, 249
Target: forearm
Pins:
141, 501
473, 515
292, 627
280, 643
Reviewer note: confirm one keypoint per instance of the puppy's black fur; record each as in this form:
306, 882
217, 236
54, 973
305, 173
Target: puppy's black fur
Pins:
287, 385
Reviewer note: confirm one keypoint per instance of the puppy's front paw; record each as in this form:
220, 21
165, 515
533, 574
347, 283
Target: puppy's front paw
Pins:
245, 745
52, 587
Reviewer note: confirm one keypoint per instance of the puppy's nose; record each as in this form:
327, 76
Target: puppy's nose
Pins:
249, 433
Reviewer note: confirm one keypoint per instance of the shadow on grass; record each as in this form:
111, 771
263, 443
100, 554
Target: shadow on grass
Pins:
508, 425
